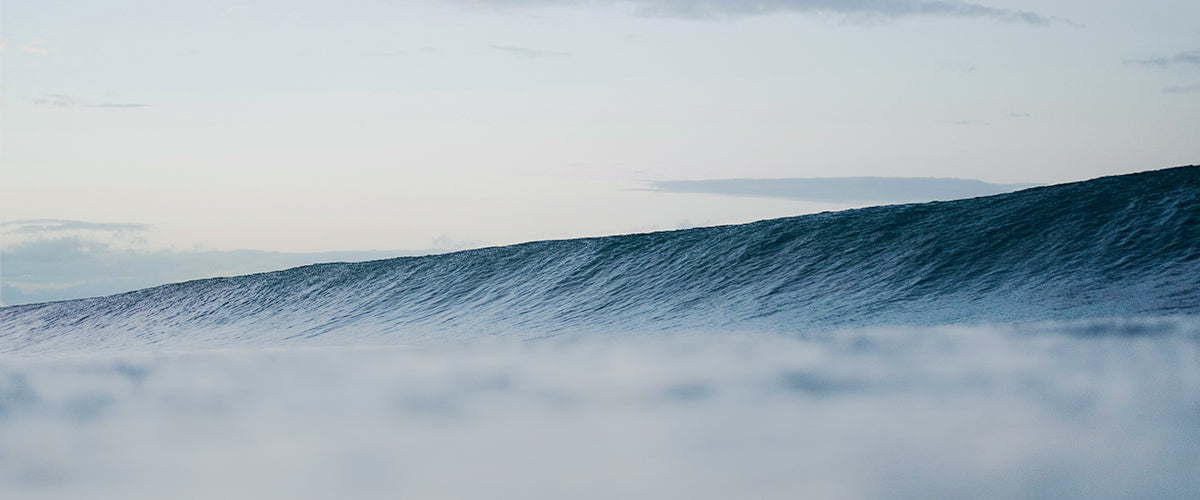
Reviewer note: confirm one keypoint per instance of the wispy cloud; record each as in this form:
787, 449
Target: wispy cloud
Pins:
35, 47
446, 243
865, 10
1186, 58
1182, 89
868, 9
530, 53
97, 234
69, 101
3, 44
43, 226
841, 189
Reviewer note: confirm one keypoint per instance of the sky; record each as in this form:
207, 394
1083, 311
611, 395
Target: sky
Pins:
140, 130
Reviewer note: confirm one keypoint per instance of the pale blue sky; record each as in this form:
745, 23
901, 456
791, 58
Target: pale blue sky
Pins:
303, 126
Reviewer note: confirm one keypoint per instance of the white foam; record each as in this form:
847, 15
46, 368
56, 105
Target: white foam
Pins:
1035, 411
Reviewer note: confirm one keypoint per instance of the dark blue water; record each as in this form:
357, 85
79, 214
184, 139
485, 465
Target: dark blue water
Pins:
1114, 247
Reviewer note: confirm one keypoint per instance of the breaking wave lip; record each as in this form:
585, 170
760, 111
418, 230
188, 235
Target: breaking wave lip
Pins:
1120, 246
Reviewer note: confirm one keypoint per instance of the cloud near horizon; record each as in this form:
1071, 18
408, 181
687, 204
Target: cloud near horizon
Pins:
862, 10
45, 260
69, 101
30, 226
530, 53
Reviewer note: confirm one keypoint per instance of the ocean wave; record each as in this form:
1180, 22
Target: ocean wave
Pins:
1122, 246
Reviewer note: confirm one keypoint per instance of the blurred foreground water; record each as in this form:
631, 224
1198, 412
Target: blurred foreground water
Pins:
1102, 408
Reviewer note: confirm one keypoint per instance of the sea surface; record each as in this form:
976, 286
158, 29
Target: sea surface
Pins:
1037, 344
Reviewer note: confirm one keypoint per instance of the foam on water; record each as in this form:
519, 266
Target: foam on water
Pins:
1081, 410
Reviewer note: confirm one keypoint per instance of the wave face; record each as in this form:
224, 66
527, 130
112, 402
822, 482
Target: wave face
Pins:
1119, 246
